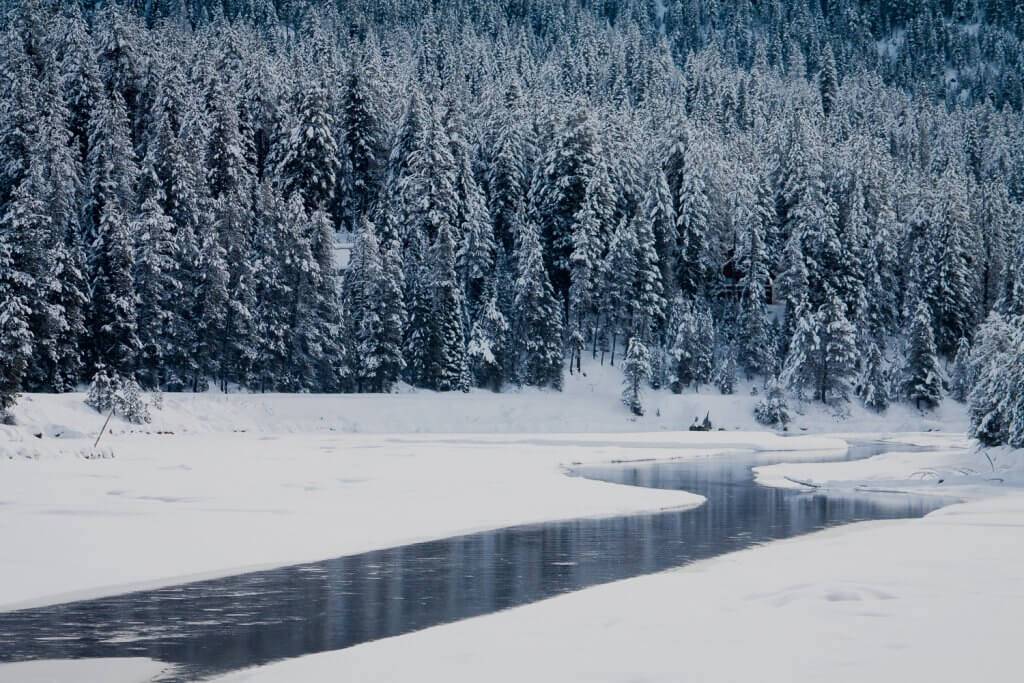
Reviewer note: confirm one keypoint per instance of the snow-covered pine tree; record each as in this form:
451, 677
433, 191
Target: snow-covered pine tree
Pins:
828, 81
208, 310
228, 172
994, 363
660, 213
1015, 381
102, 388
447, 370
111, 166
792, 285
951, 288
881, 280
536, 339
636, 371
488, 340
419, 304
83, 86
571, 170
507, 174
754, 353
773, 410
838, 339
960, 380
62, 287
157, 287
873, 387
648, 299
922, 376
725, 373
30, 238
475, 256
375, 312
584, 269
311, 163
15, 336
113, 312
618, 278
692, 350
802, 368
129, 402
693, 268
362, 143
428, 186
410, 139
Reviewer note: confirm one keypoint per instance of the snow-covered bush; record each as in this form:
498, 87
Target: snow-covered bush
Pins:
129, 402
773, 410
122, 395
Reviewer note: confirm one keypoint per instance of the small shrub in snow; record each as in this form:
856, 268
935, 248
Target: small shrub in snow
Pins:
101, 391
773, 410
129, 402
122, 395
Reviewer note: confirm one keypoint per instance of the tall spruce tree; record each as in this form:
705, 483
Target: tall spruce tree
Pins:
536, 339
362, 144
922, 376
15, 337
488, 341
311, 163
447, 370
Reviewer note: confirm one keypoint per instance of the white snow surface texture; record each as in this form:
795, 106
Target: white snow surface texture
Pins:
246, 481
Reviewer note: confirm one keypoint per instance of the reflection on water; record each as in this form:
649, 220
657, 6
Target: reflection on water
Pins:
215, 626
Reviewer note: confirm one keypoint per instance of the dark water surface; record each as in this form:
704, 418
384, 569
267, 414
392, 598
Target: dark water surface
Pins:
211, 627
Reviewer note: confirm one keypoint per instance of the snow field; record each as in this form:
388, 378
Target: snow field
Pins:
935, 599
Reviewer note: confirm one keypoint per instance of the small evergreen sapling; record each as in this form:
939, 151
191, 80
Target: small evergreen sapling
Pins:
122, 395
101, 391
129, 402
773, 410
636, 370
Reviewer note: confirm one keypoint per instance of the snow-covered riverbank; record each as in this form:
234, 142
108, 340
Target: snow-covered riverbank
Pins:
204, 501
933, 599
234, 482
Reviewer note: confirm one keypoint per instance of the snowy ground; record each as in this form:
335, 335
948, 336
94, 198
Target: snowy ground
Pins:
234, 482
297, 485
120, 670
936, 599
588, 404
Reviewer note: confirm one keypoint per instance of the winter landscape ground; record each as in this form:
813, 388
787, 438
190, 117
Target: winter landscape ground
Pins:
162, 509
604, 340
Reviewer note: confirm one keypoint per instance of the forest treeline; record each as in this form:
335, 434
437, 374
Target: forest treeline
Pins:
822, 195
